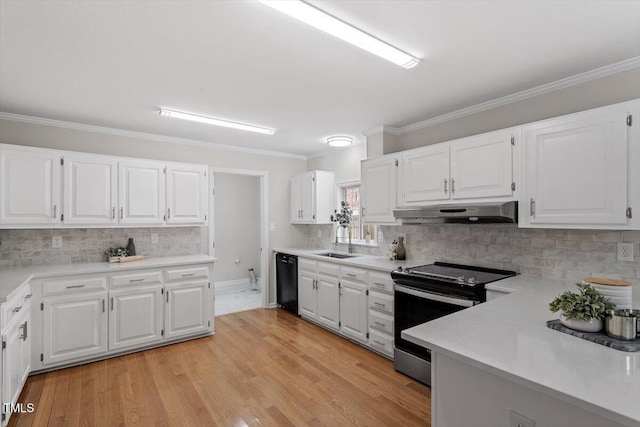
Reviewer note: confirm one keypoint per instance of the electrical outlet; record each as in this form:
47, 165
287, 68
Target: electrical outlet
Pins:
319, 233
154, 238
272, 226
56, 242
380, 237
519, 420
625, 251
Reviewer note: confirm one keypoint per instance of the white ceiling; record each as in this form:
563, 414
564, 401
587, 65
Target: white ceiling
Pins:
113, 64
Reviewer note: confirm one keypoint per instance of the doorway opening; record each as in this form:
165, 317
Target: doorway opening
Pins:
238, 239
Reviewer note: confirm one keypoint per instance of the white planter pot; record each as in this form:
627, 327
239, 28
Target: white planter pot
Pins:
592, 325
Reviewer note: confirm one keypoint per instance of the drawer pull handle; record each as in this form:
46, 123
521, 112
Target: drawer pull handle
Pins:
378, 323
23, 337
379, 343
75, 286
16, 309
28, 296
379, 304
350, 274
188, 275
379, 284
136, 280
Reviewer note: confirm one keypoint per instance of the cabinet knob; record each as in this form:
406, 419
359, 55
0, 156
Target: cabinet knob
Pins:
445, 186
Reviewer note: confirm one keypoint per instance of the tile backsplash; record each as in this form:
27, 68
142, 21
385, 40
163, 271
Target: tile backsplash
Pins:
21, 248
546, 253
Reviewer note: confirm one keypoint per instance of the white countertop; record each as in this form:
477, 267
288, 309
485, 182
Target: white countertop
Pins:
371, 262
509, 338
12, 278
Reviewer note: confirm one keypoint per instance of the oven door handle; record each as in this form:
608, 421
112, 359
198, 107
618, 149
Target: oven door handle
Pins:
435, 297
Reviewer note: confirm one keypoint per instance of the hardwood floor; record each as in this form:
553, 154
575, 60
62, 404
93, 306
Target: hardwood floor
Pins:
262, 368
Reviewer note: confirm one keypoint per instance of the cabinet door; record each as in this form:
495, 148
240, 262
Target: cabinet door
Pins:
482, 166
295, 200
16, 362
576, 169
29, 186
141, 192
186, 309
328, 302
75, 327
378, 190
425, 175
187, 194
353, 310
90, 189
307, 296
307, 198
135, 317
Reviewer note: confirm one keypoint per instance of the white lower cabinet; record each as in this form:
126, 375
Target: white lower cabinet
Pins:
135, 317
74, 327
354, 302
15, 359
353, 310
328, 291
88, 317
186, 309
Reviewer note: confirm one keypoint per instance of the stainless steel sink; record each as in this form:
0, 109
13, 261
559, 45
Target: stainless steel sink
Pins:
337, 255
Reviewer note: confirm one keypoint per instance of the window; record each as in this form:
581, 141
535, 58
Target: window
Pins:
360, 233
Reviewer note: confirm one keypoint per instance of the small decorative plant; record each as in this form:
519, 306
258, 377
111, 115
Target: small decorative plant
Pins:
118, 252
343, 218
586, 305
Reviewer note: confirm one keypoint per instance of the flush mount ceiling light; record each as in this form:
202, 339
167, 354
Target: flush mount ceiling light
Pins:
216, 122
339, 141
327, 23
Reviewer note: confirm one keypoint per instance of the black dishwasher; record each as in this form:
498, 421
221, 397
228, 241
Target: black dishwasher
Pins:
287, 282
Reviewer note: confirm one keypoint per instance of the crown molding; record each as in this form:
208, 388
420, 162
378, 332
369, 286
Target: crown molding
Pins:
381, 129
605, 71
141, 135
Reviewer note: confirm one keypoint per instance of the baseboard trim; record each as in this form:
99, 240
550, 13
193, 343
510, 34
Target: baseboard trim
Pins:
238, 285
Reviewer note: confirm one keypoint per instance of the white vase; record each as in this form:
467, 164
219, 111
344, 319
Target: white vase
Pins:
591, 325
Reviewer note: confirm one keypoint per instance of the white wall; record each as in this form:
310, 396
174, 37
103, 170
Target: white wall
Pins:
612, 89
345, 163
280, 169
237, 226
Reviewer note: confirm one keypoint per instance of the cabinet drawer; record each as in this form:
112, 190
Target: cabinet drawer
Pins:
381, 343
307, 265
381, 302
138, 278
187, 273
381, 322
380, 282
329, 269
351, 273
74, 284
14, 305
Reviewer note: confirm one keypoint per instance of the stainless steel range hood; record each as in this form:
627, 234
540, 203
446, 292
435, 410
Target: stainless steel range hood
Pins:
477, 213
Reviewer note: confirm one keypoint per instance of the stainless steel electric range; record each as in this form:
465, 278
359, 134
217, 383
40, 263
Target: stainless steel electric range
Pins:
427, 292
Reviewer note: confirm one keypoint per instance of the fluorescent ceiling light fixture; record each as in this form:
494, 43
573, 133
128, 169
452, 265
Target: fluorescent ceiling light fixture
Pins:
339, 141
216, 122
327, 23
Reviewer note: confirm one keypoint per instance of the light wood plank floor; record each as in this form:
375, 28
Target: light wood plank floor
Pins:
262, 368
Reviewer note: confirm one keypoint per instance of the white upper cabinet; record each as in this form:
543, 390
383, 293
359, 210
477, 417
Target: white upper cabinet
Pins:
425, 175
187, 191
378, 190
311, 198
141, 192
477, 168
481, 166
44, 188
29, 186
90, 191
582, 170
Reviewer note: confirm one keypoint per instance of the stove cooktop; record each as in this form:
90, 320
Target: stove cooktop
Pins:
452, 279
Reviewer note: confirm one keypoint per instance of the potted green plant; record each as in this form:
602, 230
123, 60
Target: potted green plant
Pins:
582, 311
